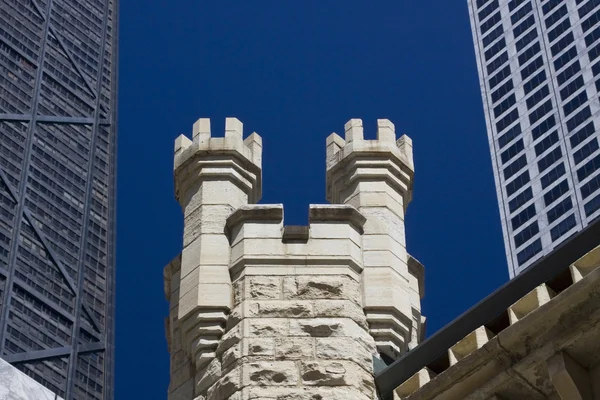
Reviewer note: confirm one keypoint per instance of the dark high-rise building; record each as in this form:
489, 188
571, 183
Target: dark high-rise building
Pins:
58, 87
539, 69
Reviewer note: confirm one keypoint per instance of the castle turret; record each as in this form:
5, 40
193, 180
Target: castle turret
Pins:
376, 177
262, 310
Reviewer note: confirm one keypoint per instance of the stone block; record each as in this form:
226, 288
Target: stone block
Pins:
279, 309
340, 309
303, 393
336, 373
327, 327
344, 348
293, 348
354, 130
208, 376
385, 288
259, 347
208, 219
264, 287
208, 296
270, 373
386, 131
314, 287
267, 327
201, 130
226, 386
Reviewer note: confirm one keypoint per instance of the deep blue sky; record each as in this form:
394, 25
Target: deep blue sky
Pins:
295, 71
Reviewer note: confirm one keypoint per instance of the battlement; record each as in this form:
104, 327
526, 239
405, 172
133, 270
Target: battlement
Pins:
207, 157
355, 159
258, 306
233, 141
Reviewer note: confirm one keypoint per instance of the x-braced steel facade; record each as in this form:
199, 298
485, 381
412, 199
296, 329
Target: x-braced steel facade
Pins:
58, 115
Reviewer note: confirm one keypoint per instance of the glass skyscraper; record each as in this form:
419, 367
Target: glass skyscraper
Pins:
58, 81
539, 69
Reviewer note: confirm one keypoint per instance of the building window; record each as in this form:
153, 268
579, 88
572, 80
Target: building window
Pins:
512, 151
529, 252
518, 220
549, 6
514, 4
481, 3
582, 134
585, 151
509, 135
589, 168
523, 26
517, 183
537, 97
520, 199
555, 17
571, 88
502, 91
527, 233
553, 175
489, 24
565, 58
495, 49
591, 21
550, 159
529, 53
590, 187
568, 73
538, 113
507, 120
579, 119
559, 210
546, 143
515, 167
534, 82
525, 40
560, 28
493, 6
563, 227
556, 192
499, 77
543, 127
521, 12
493, 35
592, 36
592, 206
575, 103
587, 7
532, 67
505, 105
562, 44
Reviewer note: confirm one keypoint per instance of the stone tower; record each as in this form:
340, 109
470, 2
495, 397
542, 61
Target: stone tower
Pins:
260, 310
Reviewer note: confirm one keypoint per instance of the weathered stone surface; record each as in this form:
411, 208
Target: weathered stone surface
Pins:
345, 349
264, 287
316, 287
259, 347
226, 386
326, 327
303, 393
276, 373
336, 373
208, 376
268, 327
340, 309
290, 348
280, 308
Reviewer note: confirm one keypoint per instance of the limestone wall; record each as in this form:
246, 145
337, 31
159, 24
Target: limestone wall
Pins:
260, 310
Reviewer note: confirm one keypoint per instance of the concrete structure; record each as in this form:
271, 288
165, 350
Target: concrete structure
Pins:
540, 79
58, 116
262, 310
15, 385
545, 346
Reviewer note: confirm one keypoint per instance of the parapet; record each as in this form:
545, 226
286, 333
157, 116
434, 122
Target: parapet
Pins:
353, 159
231, 157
